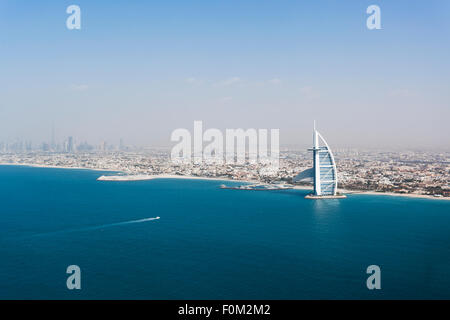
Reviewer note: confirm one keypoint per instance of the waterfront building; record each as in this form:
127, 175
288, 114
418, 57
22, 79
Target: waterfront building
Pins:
323, 173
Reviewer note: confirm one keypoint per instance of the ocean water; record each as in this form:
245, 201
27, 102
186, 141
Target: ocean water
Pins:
211, 243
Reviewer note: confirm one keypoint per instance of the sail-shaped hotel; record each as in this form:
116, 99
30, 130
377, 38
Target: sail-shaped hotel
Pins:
323, 173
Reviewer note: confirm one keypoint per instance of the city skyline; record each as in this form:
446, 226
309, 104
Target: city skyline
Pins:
59, 143
141, 71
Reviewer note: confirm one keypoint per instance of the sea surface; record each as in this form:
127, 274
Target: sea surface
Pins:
212, 243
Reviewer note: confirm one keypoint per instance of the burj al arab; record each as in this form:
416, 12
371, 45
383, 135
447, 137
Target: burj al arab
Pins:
323, 173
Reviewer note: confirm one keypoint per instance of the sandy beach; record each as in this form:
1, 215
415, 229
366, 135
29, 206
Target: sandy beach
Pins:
166, 176
54, 167
407, 195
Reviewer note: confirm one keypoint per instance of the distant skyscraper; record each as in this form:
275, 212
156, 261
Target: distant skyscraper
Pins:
70, 144
45, 147
53, 144
323, 173
28, 146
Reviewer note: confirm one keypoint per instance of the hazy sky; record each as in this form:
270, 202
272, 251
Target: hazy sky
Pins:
139, 70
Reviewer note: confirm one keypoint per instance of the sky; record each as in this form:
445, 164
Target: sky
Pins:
138, 70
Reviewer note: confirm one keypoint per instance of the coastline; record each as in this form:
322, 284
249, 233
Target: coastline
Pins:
343, 191
393, 194
55, 167
375, 193
142, 177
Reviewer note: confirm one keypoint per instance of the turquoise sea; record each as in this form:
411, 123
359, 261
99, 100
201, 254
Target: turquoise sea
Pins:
212, 243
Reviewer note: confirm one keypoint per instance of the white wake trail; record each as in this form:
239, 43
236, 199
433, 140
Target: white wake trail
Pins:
102, 226
117, 224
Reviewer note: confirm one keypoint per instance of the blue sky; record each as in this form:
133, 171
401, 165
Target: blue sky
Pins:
137, 70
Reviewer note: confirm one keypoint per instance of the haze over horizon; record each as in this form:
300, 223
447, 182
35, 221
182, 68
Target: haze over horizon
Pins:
137, 71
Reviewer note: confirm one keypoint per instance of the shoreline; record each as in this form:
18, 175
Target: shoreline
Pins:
143, 177
393, 194
55, 167
375, 193
343, 191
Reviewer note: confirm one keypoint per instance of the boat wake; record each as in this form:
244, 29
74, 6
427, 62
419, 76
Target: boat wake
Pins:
98, 227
